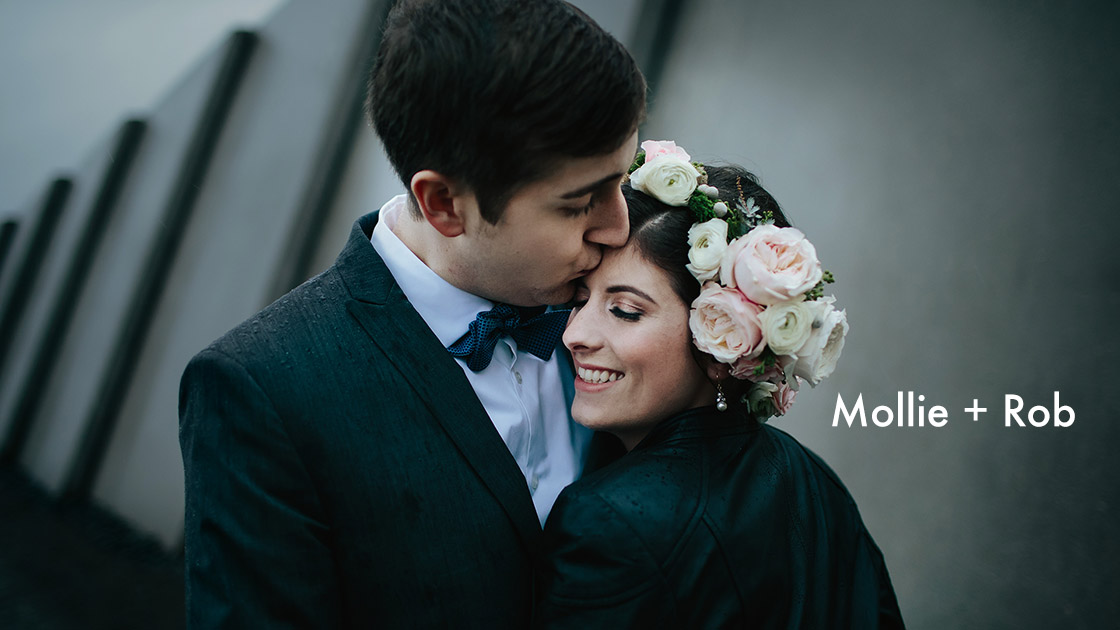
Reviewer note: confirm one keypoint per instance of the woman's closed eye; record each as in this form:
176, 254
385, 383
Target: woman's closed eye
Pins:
630, 316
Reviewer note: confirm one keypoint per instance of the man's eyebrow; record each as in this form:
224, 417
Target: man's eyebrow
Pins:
590, 188
629, 289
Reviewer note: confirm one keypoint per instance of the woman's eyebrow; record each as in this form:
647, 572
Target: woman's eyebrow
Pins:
622, 288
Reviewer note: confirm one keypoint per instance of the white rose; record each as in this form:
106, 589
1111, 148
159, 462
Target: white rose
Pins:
786, 326
667, 178
817, 358
708, 241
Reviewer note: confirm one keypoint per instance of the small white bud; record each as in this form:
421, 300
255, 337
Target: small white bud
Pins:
720, 209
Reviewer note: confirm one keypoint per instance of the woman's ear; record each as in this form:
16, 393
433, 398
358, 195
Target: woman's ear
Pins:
716, 371
441, 200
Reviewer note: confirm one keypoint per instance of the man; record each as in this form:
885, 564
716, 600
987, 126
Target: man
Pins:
344, 468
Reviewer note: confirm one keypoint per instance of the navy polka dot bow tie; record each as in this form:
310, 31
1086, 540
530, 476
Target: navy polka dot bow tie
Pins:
535, 330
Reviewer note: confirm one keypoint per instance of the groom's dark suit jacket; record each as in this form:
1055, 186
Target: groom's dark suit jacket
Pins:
341, 472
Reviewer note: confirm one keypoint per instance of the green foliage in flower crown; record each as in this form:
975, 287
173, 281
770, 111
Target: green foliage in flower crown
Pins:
818, 291
701, 206
639, 160
768, 360
736, 225
703, 179
739, 223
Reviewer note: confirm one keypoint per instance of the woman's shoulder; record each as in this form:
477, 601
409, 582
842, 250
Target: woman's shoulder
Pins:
612, 534
798, 459
651, 495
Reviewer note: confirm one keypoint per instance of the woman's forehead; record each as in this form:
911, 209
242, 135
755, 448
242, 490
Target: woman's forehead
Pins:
626, 266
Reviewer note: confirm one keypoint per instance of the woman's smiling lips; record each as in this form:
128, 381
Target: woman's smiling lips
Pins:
592, 378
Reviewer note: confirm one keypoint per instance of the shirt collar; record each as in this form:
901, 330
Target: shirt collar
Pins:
445, 308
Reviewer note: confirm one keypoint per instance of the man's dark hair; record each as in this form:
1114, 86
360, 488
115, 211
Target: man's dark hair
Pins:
493, 93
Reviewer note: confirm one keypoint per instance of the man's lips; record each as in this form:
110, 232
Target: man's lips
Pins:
592, 265
585, 272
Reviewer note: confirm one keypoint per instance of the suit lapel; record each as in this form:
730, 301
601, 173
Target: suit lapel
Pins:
407, 342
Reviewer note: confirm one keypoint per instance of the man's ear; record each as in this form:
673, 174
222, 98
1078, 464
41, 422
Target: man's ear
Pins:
441, 201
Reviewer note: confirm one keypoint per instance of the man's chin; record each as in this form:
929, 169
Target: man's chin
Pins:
549, 297
562, 295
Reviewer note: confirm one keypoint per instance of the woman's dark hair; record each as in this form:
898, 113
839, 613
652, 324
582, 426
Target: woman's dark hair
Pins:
660, 232
494, 92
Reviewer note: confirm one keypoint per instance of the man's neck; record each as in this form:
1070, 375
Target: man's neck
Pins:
424, 241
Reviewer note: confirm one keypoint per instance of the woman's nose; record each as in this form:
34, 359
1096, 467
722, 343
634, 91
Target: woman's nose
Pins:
580, 333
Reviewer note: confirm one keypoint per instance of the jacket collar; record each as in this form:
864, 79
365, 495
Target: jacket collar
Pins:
699, 422
400, 333
366, 277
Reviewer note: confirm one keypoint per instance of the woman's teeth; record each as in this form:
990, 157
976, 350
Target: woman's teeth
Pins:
598, 376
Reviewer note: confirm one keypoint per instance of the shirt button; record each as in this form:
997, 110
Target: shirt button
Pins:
517, 375
534, 482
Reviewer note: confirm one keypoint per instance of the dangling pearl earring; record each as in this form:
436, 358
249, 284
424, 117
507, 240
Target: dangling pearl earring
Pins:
721, 400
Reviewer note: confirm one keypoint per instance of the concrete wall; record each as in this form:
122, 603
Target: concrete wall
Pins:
72, 69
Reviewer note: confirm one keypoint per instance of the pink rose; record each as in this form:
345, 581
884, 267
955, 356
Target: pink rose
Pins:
725, 324
771, 264
658, 148
783, 398
743, 369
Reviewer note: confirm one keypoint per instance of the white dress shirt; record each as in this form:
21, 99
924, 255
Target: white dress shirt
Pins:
522, 393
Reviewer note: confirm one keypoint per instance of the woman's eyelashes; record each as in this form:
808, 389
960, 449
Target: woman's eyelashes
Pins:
624, 312
630, 316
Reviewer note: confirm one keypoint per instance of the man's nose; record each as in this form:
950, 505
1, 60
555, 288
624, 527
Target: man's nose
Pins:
611, 225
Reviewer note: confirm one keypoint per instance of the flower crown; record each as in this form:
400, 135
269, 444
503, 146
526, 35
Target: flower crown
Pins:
761, 308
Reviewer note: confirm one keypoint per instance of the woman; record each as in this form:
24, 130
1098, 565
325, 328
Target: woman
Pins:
684, 341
